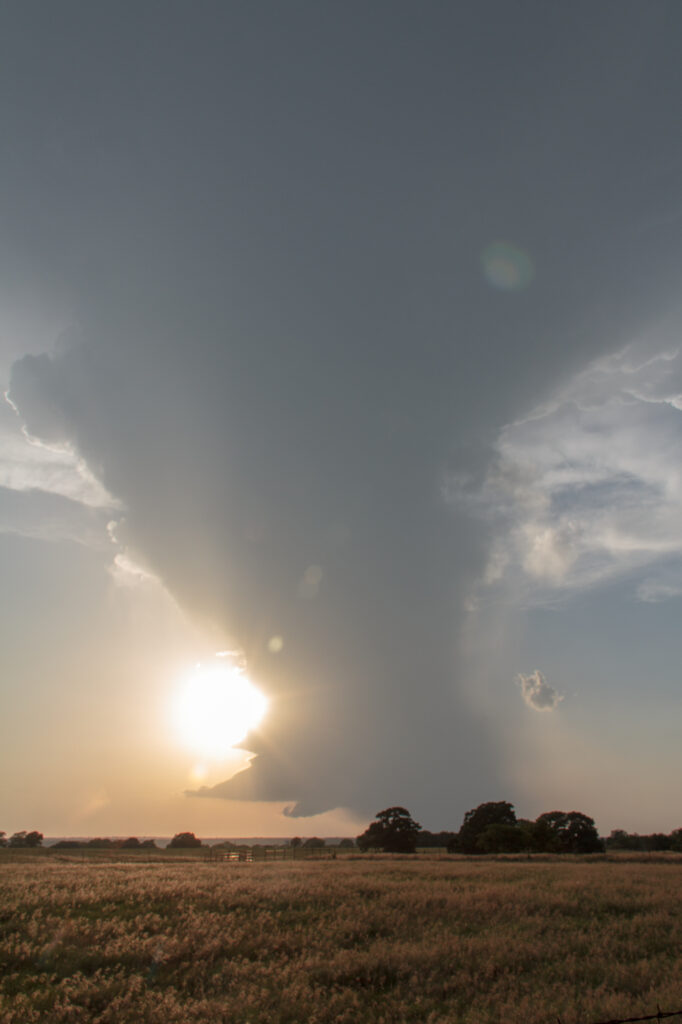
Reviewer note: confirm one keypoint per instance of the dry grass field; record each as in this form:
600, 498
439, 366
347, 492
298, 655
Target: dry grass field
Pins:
348, 940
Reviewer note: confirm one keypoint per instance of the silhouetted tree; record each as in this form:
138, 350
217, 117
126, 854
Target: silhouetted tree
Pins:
3, 839
295, 842
478, 820
619, 839
347, 844
26, 839
435, 839
499, 838
393, 831
314, 843
184, 841
571, 832
132, 843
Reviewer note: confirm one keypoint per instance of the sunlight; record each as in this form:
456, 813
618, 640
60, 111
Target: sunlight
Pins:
216, 708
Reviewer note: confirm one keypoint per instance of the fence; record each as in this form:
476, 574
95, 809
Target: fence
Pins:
270, 853
659, 1015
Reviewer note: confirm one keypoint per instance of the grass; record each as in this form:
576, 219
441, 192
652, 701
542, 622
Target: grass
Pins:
355, 940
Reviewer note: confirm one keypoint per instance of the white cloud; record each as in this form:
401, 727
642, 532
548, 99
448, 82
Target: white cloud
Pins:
537, 692
126, 572
588, 486
50, 517
28, 464
662, 586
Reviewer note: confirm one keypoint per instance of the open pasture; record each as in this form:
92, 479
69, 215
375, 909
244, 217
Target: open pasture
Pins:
355, 940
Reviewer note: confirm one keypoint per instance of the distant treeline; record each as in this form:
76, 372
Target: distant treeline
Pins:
180, 841
489, 828
494, 828
132, 843
22, 839
621, 840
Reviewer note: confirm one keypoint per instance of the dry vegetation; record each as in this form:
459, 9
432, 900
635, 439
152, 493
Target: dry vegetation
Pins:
347, 940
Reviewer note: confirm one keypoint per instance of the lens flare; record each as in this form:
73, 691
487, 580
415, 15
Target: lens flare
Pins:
507, 267
216, 709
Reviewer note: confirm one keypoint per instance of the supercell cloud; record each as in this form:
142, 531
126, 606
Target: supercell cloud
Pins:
315, 264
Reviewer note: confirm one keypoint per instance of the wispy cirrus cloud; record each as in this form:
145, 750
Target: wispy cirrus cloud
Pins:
28, 463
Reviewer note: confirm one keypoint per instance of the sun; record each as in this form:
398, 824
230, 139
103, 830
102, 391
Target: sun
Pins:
216, 708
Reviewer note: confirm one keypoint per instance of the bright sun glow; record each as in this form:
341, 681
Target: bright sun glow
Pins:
216, 709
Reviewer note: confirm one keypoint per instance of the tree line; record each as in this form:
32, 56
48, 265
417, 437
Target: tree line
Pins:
19, 839
489, 828
493, 827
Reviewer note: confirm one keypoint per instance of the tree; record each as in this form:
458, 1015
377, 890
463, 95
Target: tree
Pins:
314, 843
133, 843
295, 842
477, 821
3, 839
393, 831
435, 839
184, 841
619, 839
570, 832
499, 838
347, 844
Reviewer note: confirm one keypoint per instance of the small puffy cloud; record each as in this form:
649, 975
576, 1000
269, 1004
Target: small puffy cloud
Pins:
537, 693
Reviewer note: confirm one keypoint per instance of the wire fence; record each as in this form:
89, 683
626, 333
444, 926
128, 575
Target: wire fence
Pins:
659, 1015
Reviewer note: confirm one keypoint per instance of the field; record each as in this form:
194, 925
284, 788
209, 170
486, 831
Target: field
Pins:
428, 940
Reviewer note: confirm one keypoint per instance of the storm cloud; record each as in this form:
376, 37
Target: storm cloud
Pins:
318, 264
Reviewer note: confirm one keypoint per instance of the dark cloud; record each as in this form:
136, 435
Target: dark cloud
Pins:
275, 233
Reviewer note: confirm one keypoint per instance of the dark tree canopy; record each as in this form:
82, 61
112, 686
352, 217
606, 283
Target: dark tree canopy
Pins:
619, 839
393, 831
570, 832
435, 839
500, 838
184, 841
26, 839
477, 820
314, 843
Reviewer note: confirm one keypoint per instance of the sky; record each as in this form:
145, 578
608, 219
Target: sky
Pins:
342, 341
